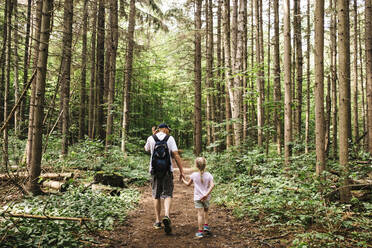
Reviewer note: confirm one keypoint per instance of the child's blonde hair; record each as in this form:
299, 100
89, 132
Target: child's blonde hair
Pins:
201, 163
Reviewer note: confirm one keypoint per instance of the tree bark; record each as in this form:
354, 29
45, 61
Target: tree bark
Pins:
66, 73
92, 98
299, 64
287, 84
128, 73
3, 59
319, 86
368, 49
35, 166
100, 69
355, 74
307, 121
16, 69
197, 81
344, 82
111, 93
260, 73
83, 90
334, 78
277, 87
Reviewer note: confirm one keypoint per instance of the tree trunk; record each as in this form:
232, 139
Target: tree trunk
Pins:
319, 86
277, 87
299, 64
35, 166
287, 84
344, 81
100, 69
197, 80
334, 78
260, 73
3, 59
355, 74
128, 73
228, 78
36, 38
66, 73
368, 49
245, 74
16, 69
220, 93
83, 90
26, 57
91, 111
307, 121
111, 93
8, 42
209, 68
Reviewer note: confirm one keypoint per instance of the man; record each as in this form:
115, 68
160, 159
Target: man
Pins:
162, 186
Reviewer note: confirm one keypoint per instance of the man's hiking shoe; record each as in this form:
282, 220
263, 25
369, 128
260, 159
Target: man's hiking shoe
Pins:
206, 230
199, 235
157, 225
167, 225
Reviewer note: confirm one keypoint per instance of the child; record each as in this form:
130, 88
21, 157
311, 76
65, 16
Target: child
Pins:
203, 187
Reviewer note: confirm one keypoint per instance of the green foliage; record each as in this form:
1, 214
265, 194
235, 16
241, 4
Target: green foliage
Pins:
77, 202
255, 186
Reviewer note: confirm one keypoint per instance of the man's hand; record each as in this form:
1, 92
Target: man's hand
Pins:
181, 176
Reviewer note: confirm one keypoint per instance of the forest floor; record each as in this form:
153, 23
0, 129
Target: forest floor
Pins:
137, 230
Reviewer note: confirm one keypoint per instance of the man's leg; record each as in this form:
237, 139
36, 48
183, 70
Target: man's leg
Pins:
167, 205
157, 207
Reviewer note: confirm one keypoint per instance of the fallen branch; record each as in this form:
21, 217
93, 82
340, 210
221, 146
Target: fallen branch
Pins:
5, 177
331, 195
60, 186
46, 217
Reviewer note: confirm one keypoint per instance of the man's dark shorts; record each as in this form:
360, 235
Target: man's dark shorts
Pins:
162, 187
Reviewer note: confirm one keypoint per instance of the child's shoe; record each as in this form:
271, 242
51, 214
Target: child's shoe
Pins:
199, 235
206, 230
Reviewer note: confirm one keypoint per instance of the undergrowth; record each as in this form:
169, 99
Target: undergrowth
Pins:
86, 158
289, 201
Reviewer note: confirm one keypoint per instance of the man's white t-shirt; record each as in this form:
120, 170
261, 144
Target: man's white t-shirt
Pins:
171, 143
201, 189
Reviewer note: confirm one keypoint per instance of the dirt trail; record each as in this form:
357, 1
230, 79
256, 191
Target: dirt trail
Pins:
138, 231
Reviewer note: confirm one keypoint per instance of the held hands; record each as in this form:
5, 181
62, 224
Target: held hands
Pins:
204, 198
182, 176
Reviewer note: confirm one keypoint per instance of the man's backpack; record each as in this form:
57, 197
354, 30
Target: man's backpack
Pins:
161, 161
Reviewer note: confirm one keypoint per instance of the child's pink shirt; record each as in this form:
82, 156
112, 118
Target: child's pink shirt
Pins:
201, 189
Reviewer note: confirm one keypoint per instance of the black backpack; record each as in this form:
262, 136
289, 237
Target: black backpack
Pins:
160, 161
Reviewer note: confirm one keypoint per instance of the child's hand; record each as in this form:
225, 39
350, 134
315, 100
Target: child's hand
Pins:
204, 198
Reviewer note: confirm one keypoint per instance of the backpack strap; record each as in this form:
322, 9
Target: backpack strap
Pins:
166, 138
155, 138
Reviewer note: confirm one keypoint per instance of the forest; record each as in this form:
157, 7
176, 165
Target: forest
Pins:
276, 95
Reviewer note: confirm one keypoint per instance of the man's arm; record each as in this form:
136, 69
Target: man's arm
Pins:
177, 157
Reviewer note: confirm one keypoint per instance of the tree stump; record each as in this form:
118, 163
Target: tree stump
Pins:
113, 179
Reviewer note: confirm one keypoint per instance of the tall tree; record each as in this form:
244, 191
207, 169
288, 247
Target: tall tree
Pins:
209, 70
8, 42
83, 90
35, 166
100, 69
92, 101
333, 31
344, 92
128, 72
36, 39
319, 86
287, 84
260, 72
113, 47
299, 64
66, 72
2, 58
16, 68
228, 78
307, 121
277, 87
355, 74
197, 80
368, 49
